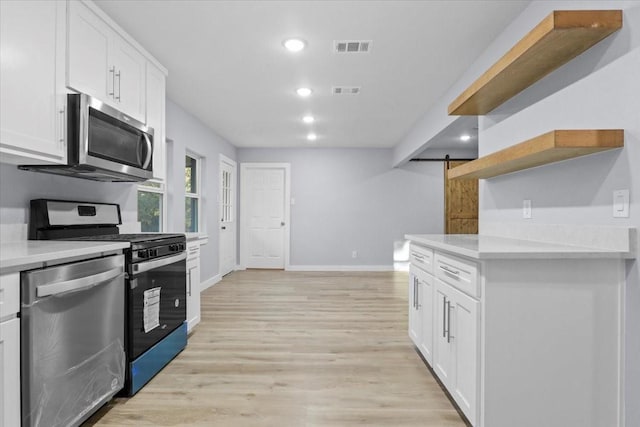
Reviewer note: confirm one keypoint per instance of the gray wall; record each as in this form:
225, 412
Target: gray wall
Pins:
598, 89
189, 134
18, 187
351, 199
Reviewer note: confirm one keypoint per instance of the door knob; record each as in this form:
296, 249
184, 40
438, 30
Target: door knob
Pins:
282, 223
223, 227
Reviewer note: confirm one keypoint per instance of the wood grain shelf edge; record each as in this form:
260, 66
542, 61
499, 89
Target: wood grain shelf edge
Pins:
547, 148
557, 39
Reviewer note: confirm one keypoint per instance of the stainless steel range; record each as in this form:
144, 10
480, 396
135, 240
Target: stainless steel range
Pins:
155, 280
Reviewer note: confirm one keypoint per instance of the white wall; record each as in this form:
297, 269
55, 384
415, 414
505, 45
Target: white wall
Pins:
188, 133
351, 199
598, 89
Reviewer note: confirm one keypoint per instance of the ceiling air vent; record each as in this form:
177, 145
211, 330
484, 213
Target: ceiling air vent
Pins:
345, 90
351, 46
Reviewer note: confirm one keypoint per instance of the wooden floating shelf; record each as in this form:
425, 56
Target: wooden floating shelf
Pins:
546, 148
560, 37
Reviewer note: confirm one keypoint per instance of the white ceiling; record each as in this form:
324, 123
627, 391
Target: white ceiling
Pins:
227, 65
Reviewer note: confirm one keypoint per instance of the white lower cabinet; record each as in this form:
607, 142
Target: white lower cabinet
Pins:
10, 383
193, 284
9, 350
415, 315
421, 311
524, 342
457, 347
425, 298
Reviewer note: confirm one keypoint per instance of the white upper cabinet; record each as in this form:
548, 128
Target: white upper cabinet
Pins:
103, 64
156, 118
32, 123
130, 75
89, 68
54, 47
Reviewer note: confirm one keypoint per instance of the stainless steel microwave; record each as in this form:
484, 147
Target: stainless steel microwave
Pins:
103, 144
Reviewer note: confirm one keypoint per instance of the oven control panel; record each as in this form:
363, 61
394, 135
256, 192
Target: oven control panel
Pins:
145, 254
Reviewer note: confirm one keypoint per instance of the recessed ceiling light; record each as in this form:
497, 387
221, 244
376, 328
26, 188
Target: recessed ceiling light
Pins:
308, 119
294, 45
465, 137
312, 137
303, 91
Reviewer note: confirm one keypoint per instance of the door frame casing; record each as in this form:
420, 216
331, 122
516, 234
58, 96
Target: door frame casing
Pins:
234, 179
244, 168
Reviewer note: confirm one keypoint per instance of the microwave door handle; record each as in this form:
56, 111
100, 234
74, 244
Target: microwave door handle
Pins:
147, 160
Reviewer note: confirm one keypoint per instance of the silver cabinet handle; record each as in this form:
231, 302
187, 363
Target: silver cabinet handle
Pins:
416, 256
450, 271
449, 308
119, 76
80, 283
112, 71
417, 293
62, 126
444, 316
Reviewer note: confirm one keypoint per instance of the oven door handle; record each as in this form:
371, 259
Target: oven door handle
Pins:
150, 265
78, 284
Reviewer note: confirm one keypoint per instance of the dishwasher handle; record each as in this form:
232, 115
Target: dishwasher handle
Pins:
78, 284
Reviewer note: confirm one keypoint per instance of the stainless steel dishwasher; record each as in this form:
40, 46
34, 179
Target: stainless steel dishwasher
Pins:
72, 340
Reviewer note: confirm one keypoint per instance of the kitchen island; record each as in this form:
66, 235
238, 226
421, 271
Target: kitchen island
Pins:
522, 332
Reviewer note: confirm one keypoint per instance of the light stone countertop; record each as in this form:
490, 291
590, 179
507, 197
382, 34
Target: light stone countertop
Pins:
493, 247
27, 252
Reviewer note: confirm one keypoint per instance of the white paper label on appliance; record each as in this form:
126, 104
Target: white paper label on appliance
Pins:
151, 310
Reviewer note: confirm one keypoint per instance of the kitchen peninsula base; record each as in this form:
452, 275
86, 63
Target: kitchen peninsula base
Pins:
523, 333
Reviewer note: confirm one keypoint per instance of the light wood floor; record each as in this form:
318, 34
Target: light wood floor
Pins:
294, 349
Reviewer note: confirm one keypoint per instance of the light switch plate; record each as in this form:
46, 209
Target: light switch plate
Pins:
621, 204
526, 208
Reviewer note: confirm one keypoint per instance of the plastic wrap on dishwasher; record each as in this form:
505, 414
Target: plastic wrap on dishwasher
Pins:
64, 398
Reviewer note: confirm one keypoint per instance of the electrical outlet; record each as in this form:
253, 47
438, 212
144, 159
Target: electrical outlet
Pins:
354, 254
526, 208
621, 204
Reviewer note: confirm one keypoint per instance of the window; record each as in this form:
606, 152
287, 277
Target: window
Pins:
192, 193
151, 196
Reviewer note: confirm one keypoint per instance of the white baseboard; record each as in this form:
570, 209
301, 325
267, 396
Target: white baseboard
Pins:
239, 267
340, 268
210, 282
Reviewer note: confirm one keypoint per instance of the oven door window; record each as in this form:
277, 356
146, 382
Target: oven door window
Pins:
114, 140
157, 306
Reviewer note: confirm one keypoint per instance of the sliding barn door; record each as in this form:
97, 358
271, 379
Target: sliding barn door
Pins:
460, 203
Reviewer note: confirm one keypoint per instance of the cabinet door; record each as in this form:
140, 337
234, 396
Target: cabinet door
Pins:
193, 285
156, 118
130, 76
464, 324
89, 69
425, 293
10, 378
414, 310
32, 120
442, 347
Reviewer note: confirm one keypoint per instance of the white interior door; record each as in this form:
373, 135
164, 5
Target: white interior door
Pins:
265, 213
227, 215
